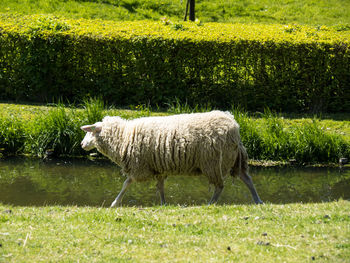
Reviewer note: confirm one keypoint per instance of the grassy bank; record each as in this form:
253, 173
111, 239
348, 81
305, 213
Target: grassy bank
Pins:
323, 12
268, 233
35, 129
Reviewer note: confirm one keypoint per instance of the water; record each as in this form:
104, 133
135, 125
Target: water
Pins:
32, 182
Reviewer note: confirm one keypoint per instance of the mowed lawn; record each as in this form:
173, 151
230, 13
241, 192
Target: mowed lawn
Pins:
310, 12
235, 233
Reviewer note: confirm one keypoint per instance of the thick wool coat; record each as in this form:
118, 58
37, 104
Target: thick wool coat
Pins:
149, 147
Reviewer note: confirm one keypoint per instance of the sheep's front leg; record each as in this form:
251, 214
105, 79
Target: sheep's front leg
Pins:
214, 173
160, 187
118, 200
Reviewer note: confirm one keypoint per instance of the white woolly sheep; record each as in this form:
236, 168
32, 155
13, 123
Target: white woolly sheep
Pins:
155, 147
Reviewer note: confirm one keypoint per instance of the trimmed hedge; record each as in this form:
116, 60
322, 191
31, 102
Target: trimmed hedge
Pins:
286, 68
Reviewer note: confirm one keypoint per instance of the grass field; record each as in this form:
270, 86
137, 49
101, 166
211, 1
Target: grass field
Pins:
28, 129
237, 233
310, 12
333, 123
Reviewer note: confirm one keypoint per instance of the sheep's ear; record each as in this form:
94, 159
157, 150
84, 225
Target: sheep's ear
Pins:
88, 128
91, 128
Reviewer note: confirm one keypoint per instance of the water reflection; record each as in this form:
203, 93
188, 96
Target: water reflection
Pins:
85, 182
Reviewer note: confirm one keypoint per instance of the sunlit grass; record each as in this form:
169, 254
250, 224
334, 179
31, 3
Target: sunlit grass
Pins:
323, 12
268, 136
237, 233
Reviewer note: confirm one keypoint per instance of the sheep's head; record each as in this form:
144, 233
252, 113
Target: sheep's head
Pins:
92, 132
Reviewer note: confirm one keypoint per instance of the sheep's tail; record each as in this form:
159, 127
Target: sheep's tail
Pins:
241, 163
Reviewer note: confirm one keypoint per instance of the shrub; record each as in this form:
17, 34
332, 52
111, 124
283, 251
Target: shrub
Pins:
312, 144
287, 68
271, 138
57, 131
277, 138
251, 134
12, 135
92, 110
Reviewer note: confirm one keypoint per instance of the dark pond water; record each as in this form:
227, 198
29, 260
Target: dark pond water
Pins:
89, 183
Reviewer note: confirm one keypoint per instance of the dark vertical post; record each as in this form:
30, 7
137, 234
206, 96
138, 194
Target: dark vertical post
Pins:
192, 12
186, 12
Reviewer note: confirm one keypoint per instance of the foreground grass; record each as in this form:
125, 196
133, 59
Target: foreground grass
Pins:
322, 12
238, 233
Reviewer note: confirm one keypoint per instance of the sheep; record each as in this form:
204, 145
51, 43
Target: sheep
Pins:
155, 147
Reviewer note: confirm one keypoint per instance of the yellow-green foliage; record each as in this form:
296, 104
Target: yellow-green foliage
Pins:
305, 68
309, 12
166, 29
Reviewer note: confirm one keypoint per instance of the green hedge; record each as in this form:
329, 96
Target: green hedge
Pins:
286, 68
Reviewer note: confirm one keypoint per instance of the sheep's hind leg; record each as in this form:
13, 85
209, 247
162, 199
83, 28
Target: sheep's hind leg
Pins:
118, 200
249, 183
216, 194
160, 187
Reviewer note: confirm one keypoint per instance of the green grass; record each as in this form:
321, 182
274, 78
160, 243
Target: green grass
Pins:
237, 233
308, 140
310, 12
268, 136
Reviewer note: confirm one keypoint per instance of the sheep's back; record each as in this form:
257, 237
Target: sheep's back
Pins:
179, 143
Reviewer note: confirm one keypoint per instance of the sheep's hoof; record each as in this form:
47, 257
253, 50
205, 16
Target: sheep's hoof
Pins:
114, 204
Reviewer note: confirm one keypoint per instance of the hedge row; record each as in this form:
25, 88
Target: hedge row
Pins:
286, 68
